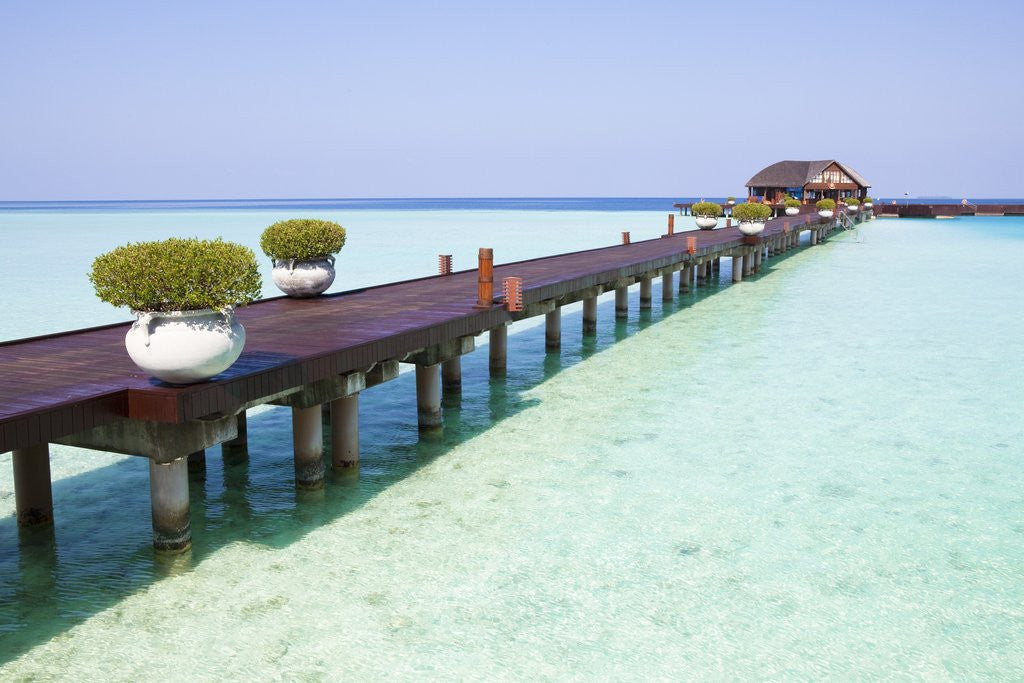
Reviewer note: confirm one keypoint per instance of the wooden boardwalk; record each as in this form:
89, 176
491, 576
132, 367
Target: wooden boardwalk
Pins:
62, 384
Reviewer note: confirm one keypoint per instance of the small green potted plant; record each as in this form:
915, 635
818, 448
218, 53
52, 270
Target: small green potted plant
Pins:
826, 207
730, 200
183, 292
751, 216
792, 206
868, 202
302, 251
706, 214
852, 204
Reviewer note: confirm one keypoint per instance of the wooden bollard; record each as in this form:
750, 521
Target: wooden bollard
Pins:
785, 226
513, 289
444, 264
671, 224
728, 222
625, 236
485, 278
691, 245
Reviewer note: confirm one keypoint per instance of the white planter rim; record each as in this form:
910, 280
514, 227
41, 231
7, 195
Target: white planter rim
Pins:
290, 262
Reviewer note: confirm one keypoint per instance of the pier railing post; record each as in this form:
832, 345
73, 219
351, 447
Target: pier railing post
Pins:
485, 278
33, 495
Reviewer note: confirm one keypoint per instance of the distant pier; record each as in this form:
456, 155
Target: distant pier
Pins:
946, 210
80, 388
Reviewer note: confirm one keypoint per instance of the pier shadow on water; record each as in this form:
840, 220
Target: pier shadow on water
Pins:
99, 551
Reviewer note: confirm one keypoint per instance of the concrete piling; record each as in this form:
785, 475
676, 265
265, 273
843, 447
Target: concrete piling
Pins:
737, 268
621, 302
168, 494
345, 432
686, 277
645, 293
240, 444
428, 396
33, 495
197, 463
667, 286
451, 375
590, 315
748, 264
553, 329
498, 351
308, 446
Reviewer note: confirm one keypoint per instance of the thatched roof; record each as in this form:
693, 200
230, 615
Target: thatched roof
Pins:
798, 173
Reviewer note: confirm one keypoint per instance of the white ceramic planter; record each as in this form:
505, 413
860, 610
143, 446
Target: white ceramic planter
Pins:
868, 205
825, 213
304, 279
792, 210
706, 222
751, 228
852, 208
731, 202
184, 347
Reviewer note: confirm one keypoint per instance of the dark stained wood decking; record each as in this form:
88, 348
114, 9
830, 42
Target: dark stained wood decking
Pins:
58, 385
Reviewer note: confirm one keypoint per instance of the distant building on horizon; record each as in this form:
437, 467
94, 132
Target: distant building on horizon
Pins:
807, 181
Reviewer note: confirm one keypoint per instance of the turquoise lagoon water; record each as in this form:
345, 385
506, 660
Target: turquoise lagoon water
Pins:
814, 473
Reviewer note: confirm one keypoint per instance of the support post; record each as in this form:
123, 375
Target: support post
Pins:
451, 375
428, 396
33, 494
748, 264
621, 302
700, 273
590, 315
168, 495
240, 444
758, 255
737, 268
667, 285
553, 329
645, 293
308, 446
685, 278
498, 351
345, 432
197, 463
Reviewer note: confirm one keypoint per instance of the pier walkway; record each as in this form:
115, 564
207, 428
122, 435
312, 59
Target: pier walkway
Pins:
80, 388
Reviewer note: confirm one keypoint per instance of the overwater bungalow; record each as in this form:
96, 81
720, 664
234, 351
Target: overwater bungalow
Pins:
807, 181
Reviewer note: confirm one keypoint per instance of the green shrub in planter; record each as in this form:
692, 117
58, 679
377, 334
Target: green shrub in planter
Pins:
177, 275
709, 209
792, 203
301, 239
869, 200
825, 205
730, 199
751, 212
852, 201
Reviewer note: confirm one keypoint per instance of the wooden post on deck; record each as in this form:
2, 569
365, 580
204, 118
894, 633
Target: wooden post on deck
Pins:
485, 278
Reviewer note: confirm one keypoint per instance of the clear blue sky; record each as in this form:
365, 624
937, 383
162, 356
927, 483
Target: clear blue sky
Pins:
335, 99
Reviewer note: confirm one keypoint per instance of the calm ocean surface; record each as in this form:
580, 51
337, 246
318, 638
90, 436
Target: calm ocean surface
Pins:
815, 473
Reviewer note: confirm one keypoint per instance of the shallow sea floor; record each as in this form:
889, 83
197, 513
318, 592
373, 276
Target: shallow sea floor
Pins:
815, 473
